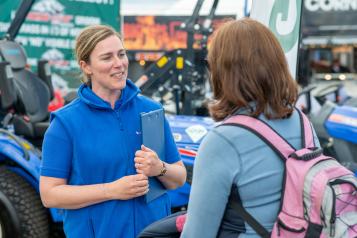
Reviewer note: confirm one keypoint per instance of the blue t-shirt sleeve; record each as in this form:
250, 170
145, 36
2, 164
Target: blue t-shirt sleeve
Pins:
56, 151
171, 153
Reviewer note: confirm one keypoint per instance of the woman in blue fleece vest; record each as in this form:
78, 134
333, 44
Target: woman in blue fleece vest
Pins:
94, 165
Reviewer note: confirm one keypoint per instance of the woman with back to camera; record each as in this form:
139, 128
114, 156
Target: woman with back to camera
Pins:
94, 165
249, 75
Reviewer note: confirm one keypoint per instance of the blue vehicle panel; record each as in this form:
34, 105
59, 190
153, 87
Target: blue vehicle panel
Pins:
342, 123
11, 149
27, 168
188, 132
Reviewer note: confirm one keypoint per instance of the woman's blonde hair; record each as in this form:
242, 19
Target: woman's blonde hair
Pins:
87, 40
247, 64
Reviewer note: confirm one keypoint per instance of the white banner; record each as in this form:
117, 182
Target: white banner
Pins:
283, 18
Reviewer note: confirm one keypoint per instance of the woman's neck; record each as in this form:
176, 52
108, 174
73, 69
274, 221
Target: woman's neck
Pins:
110, 96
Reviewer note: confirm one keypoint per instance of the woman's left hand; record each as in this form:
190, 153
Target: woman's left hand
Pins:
147, 162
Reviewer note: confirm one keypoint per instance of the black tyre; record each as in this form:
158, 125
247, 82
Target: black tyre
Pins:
21, 210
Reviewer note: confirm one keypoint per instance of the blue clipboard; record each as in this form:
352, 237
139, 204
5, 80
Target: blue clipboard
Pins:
153, 137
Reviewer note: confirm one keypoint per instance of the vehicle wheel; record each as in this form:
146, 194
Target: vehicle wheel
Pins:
56, 230
21, 210
1, 229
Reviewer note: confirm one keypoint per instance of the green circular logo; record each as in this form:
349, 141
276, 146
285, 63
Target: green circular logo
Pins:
281, 14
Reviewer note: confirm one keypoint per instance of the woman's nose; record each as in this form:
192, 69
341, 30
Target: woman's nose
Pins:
117, 61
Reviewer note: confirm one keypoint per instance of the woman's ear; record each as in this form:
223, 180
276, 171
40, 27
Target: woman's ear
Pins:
85, 67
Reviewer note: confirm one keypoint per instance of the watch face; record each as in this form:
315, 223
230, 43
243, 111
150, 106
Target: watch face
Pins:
163, 170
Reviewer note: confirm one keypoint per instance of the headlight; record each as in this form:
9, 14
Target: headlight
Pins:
342, 77
328, 77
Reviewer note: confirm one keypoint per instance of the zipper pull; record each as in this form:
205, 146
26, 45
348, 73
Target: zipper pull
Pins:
323, 218
332, 228
278, 229
333, 214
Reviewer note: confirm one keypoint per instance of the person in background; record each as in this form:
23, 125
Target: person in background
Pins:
336, 67
249, 75
94, 165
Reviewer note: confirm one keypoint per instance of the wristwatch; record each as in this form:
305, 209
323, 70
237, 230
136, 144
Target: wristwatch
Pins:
163, 170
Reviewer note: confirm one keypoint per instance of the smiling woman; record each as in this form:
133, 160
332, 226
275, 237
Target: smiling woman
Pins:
94, 165
107, 69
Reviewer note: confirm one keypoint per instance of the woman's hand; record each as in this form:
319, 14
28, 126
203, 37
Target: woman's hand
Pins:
127, 187
147, 162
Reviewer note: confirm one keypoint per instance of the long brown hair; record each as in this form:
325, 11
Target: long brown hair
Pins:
247, 64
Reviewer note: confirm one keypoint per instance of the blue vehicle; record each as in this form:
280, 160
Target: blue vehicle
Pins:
24, 117
334, 116
188, 132
337, 124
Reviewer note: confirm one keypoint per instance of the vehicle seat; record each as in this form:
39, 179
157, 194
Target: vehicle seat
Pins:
30, 117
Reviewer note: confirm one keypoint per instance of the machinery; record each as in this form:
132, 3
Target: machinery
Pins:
24, 101
180, 76
334, 116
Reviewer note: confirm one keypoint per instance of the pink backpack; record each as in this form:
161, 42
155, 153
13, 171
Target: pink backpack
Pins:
319, 197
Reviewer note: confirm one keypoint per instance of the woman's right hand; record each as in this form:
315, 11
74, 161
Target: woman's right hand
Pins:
128, 187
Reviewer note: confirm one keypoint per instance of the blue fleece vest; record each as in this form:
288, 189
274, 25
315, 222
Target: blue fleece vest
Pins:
88, 142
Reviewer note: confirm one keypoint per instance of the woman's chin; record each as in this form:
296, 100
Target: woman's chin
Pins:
120, 84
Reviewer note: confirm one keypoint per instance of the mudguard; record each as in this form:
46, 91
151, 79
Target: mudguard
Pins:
24, 159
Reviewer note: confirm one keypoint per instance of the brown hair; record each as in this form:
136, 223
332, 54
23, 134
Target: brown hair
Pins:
87, 40
247, 64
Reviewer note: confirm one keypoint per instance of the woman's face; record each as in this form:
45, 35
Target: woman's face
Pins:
108, 66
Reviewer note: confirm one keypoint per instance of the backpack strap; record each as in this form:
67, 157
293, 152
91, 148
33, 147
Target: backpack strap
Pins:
307, 134
264, 132
281, 146
272, 138
236, 204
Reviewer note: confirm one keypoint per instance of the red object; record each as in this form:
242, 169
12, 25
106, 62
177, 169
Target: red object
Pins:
180, 222
186, 152
26, 118
57, 102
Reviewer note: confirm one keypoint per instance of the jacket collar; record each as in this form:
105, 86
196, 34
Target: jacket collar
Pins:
86, 95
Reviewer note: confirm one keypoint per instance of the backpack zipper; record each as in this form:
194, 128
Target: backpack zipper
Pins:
323, 218
281, 224
342, 181
333, 213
